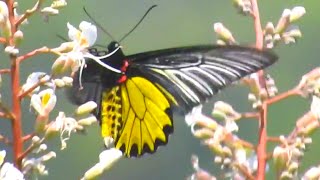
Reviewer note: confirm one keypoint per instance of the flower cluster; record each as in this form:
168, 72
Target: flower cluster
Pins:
284, 30
231, 153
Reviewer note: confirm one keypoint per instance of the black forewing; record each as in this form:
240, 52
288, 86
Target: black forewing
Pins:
194, 74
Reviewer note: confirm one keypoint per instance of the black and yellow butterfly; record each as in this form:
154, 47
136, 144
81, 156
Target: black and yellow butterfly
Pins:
135, 106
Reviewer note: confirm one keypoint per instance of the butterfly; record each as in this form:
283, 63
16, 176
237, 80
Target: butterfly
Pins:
136, 106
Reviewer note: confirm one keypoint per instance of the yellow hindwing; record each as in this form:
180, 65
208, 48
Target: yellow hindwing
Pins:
137, 115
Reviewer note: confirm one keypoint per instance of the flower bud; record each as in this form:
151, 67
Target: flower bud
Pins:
226, 109
223, 33
48, 156
87, 121
280, 157
269, 28
59, 83
67, 81
203, 133
312, 174
295, 33
296, 13
58, 4
61, 65
49, 11
86, 108
283, 22
41, 122
11, 50
18, 37
106, 159
52, 131
35, 139
293, 167
286, 175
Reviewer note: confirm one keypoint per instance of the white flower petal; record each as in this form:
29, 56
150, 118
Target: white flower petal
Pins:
9, 172
4, 9
36, 103
231, 126
89, 32
73, 32
192, 117
315, 106
51, 103
2, 156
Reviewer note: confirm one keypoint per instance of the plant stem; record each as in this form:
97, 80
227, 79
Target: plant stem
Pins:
15, 86
262, 141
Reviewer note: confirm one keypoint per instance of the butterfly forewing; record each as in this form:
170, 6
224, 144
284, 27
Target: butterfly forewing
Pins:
194, 74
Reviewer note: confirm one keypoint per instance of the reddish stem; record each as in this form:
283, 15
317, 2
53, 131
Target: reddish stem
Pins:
3, 40
249, 115
28, 137
33, 87
5, 115
33, 53
274, 139
279, 97
262, 141
15, 86
4, 71
5, 140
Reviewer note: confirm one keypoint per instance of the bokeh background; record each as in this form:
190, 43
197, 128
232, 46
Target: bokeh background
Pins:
173, 23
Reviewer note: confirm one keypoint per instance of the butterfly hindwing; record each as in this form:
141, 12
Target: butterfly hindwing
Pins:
137, 115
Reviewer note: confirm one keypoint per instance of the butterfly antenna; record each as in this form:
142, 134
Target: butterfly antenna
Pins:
145, 14
97, 24
62, 38
66, 40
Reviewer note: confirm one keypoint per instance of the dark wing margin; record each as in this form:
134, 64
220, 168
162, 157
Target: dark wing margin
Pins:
194, 74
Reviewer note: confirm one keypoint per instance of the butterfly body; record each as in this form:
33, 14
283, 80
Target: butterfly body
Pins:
135, 106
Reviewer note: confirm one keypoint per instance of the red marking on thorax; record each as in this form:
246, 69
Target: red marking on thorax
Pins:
124, 67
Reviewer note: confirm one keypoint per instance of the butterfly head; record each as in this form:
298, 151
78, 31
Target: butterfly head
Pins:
117, 55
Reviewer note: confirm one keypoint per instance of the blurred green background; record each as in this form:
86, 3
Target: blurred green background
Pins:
173, 23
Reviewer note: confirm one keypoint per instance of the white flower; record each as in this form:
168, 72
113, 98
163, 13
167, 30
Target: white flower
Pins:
77, 50
4, 13
106, 159
231, 125
9, 172
3, 9
65, 125
315, 106
312, 173
2, 156
33, 79
44, 102
36, 165
196, 117
85, 37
